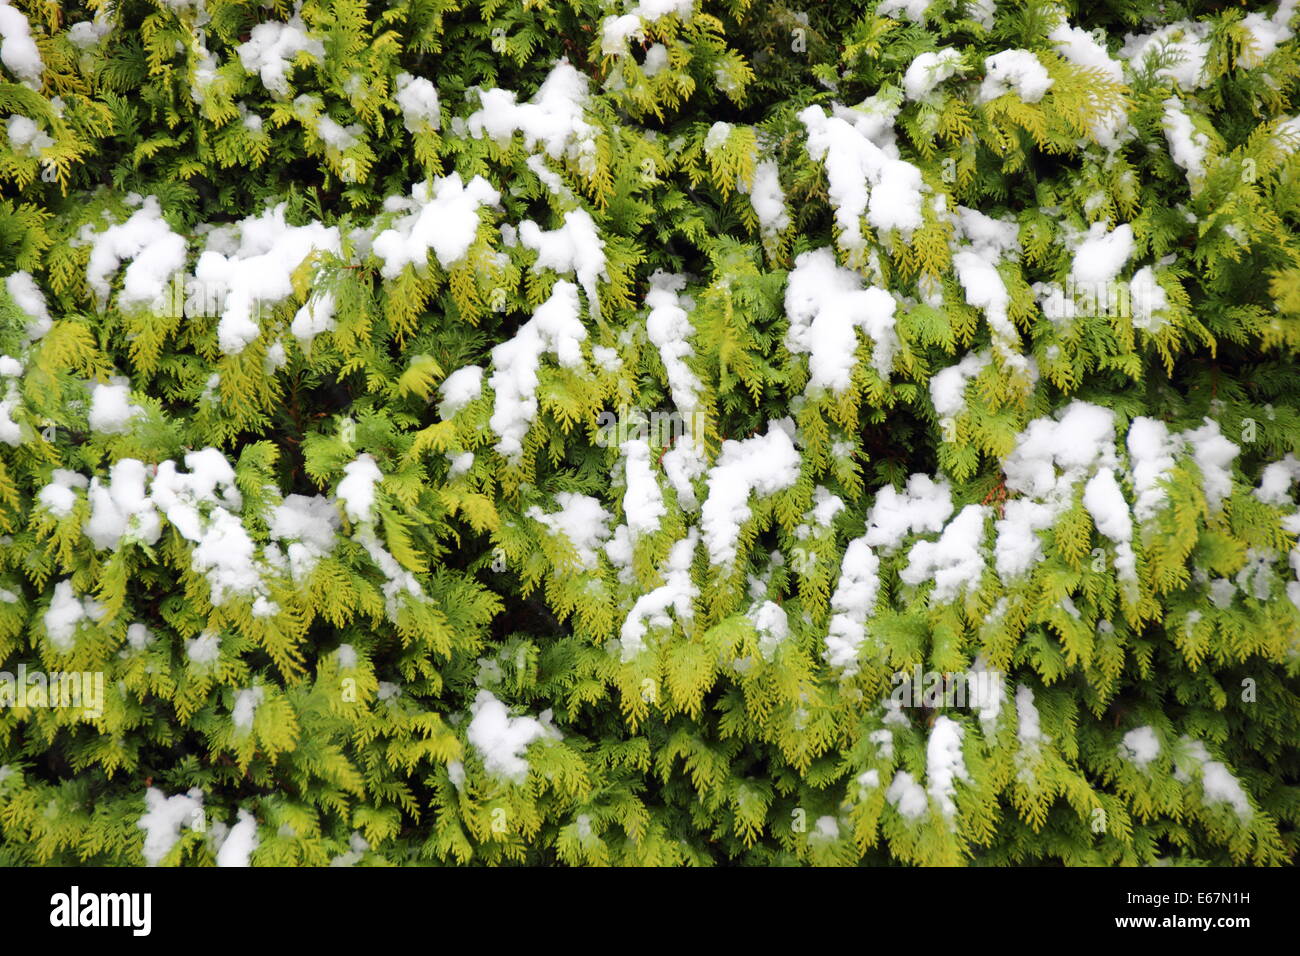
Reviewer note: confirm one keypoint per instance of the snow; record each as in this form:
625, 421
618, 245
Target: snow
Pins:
1213, 455
852, 603
111, 410
643, 503
555, 328
575, 247
616, 31
676, 594
862, 177
581, 520
155, 252
163, 818
944, 765
907, 796
60, 496
1217, 782
1101, 255
1028, 729
25, 137
986, 692
1140, 746
1188, 146
314, 317
761, 465
1146, 298
923, 506
668, 326
1185, 46
204, 649
245, 707
66, 613
1014, 70
256, 271
768, 199
948, 385
501, 740
122, 507
1268, 32
1051, 456
1276, 480
1105, 501
1082, 49
442, 218
357, 489
773, 627
417, 97
273, 47
1151, 451
914, 10
553, 119
240, 842
27, 296
459, 389
18, 51
928, 70
954, 562
825, 304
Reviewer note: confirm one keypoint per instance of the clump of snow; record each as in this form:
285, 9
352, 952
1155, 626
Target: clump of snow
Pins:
357, 489
553, 118
121, 508
18, 50
948, 385
204, 649
768, 199
1140, 746
643, 502
1217, 782
575, 247
928, 70
852, 603
923, 506
60, 495
1014, 70
66, 613
256, 271
1151, 451
459, 389
773, 627
556, 328
240, 842
676, 594
907, 796
1268, 32
954, 562
863, 178
1185, 45
826, 304
501, 740
1105, 501
1213, 455
272, 49
442, 218
761, 465
581, 520
1101, 255
27, 296
25, 137
1276, 480
418, 99
111, 409
914, 10
163, 819
1051, 456
1188, 146
944, 765
155, 252
245, 707
616, 31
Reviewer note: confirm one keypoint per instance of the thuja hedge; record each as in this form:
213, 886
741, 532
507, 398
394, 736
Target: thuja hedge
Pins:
685, 432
